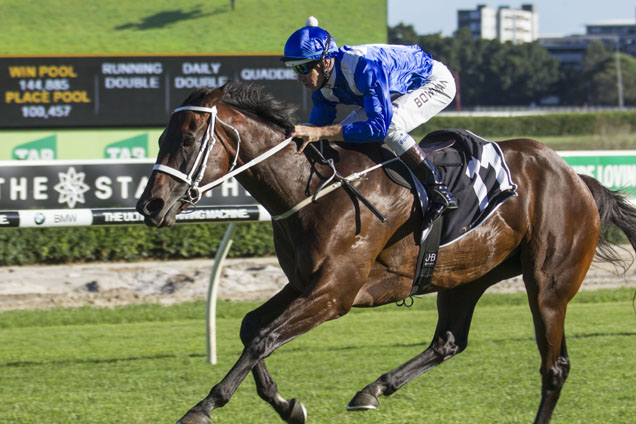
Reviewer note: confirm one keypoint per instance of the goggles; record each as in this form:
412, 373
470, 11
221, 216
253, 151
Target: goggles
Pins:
304, 68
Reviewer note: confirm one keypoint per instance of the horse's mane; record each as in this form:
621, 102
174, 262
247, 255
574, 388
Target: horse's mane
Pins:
252, 98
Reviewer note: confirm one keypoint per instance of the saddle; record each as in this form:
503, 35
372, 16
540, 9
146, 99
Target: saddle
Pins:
475, 171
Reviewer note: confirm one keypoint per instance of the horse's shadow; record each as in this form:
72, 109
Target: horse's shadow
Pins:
169, 17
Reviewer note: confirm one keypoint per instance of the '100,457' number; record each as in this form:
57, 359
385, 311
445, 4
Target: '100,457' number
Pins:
59, 111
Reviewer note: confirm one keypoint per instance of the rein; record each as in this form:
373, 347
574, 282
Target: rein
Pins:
342, 182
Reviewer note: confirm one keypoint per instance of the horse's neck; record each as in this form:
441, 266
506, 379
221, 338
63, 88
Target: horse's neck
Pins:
286, 178
279, 182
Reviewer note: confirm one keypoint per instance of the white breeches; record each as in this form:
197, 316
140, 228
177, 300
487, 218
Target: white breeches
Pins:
412, 109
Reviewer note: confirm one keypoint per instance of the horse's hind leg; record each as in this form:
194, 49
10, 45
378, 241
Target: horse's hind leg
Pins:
455, 310
552, 278
549, 318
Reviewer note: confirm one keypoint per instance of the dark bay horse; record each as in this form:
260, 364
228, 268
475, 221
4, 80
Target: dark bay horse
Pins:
338, 255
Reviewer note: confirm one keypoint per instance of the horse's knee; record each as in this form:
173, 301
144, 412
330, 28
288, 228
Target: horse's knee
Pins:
249, 329
257, 346
555, 377
447, 347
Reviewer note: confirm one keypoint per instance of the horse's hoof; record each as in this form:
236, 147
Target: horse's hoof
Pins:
194, 417
297, 413
363, 401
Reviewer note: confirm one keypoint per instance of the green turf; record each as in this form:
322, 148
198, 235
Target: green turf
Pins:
164, 26
146, 363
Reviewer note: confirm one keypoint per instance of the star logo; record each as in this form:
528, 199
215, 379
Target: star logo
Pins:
71, 187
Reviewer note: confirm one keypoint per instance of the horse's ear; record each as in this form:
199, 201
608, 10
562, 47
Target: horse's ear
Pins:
219, 92
216, 95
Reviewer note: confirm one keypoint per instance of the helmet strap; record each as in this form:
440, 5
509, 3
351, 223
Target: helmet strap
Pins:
326, 73
326, 50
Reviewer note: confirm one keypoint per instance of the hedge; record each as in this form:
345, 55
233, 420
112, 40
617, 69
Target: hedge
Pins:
556, 124
88, 244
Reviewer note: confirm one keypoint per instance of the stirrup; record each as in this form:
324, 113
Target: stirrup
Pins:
435, 211
447, 199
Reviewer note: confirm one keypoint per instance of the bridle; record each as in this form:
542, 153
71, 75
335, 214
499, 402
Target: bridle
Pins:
194, 192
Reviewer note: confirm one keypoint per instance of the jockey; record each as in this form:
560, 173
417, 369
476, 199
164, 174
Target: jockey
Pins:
397, 88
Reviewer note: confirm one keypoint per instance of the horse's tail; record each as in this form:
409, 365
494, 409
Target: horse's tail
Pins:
614, 209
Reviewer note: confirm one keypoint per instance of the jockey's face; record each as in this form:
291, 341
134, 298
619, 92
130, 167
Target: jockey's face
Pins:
315, 78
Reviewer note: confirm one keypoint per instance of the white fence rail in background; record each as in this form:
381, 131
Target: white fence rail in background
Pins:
126, 216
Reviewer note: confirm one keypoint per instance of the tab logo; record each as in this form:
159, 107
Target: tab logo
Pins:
130, 148
42, 149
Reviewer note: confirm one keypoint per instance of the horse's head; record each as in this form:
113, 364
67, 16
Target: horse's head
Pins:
188, 156
196, 149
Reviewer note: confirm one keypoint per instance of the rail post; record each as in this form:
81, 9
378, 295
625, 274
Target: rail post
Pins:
215, 275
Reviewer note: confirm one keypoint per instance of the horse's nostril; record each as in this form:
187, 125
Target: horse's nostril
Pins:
155, 205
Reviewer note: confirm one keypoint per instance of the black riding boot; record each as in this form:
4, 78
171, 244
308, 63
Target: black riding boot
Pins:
440, 198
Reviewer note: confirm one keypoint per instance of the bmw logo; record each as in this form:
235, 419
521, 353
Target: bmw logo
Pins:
39, 218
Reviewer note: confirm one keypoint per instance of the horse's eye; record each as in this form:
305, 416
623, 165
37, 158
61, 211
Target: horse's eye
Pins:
188, 141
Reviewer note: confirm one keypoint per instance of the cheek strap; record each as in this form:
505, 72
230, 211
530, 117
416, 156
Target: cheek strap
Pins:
193, 194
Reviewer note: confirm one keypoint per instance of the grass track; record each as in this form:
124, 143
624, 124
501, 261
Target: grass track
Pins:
147, 364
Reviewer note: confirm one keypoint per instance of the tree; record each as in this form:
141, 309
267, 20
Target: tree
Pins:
522, 73
403, 34
603, 82
597, 58
490, 72
595, 83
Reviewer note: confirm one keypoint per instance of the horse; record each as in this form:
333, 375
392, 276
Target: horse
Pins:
337, 254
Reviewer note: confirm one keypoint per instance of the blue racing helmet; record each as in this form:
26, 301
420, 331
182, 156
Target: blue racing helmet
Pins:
308, 44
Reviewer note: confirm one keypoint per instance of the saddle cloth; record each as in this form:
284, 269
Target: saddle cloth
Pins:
475, 171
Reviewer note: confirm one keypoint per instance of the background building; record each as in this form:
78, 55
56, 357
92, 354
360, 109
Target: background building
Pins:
571, 49
621, 30
504, 23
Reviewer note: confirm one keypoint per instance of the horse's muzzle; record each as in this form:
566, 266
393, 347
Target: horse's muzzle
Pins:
154, 211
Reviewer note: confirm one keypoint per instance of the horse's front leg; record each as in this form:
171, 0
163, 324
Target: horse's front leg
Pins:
291, 411
324, 299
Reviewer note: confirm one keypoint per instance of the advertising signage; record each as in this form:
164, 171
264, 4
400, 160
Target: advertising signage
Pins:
615, 169
94, 184
58, 92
